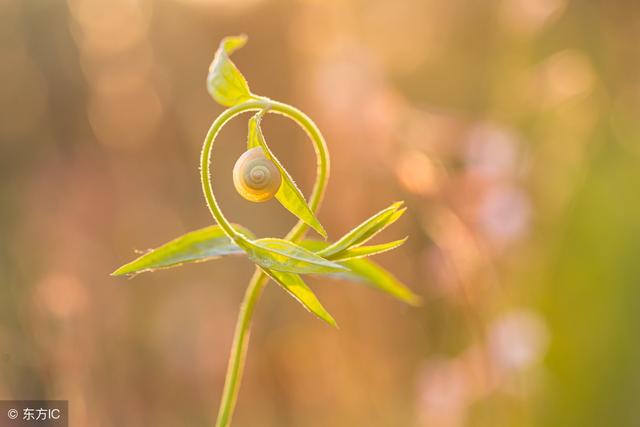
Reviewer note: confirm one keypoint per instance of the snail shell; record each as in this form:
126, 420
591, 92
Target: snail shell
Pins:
255, 177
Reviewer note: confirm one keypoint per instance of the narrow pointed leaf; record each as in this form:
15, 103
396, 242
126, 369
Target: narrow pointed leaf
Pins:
297, 288
374, 275
289, 195
225, 82
283, 255
196, 246
366, 251
370, 273
365, 231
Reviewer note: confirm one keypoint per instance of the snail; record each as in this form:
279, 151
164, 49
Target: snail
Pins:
255, 177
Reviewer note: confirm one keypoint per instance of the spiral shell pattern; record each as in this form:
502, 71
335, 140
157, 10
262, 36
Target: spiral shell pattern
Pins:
255, 177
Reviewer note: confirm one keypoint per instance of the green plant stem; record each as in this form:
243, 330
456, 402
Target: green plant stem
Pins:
239, 348
272, 107
241, 337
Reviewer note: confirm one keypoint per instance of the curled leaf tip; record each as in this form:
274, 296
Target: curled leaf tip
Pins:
232, 43
225, 82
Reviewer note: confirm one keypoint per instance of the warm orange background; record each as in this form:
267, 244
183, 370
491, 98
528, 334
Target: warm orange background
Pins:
509, 127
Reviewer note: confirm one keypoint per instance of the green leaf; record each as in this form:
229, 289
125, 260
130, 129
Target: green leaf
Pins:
289, 195
297, 288
225, 82
370, 273
365, 231
196, 246
283, 255
365, 251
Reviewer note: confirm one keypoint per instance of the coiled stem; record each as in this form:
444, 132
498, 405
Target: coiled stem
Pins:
243, 325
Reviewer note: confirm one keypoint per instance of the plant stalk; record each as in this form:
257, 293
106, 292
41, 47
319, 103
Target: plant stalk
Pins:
240, 343
239, 348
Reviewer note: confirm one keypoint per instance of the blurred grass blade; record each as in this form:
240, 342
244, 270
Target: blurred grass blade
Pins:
283, 255
370, 273
297, 288
365, 251
365, 231
225, 82
196, 246
289, 195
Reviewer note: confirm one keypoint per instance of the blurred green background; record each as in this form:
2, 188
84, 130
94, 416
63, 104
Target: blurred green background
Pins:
510, 127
